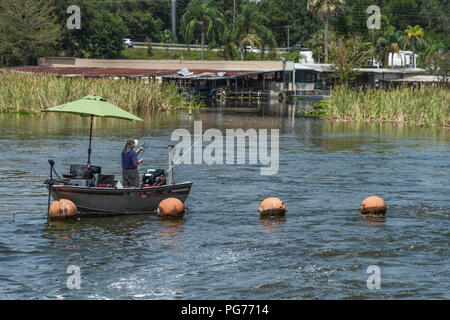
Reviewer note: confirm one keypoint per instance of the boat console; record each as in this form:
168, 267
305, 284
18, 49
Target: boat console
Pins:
81, 175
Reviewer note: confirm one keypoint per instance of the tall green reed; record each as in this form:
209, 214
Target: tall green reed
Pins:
33, 93
427, 106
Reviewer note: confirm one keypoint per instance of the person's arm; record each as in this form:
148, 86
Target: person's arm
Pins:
135, 160
139, 150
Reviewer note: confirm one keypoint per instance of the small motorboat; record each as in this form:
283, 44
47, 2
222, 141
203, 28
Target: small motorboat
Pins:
94, 193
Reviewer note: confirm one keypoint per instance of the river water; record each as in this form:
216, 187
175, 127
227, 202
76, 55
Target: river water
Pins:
322, 249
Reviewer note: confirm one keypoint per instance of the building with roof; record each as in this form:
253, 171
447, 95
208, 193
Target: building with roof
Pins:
206, 78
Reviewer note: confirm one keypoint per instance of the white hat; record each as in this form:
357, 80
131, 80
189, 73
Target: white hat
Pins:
130, 144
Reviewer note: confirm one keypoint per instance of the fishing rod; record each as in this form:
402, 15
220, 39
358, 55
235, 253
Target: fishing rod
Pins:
187, 152
143, 146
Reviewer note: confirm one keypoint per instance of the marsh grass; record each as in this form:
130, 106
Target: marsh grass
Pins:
31, 93
428, 106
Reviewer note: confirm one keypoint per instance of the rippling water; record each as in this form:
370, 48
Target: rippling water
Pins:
222, 250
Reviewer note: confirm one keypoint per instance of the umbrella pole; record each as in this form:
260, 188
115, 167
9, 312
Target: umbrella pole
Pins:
90, 141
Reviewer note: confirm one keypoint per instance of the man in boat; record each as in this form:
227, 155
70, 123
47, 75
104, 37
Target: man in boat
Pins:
130, 162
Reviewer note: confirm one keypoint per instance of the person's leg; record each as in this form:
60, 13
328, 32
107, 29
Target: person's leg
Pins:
135, 178
126, 181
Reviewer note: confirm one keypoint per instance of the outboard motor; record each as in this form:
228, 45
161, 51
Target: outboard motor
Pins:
154, 177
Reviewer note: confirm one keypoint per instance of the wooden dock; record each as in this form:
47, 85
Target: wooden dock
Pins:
242, 95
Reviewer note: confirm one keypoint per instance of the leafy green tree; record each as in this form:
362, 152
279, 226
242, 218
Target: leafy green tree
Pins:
101, 33
324, 9
249, 39
267, 40
250, 30
401, 13
316, 44
26, 26
389, 40
75, 42
167, 36
428, 46
348, 55
227, 39
438, 64
414, 33
434, 16
105, 36
202, 15
141, 25
281, 13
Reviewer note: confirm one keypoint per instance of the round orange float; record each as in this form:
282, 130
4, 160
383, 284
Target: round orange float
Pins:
63, 208
272, 207
373, 206
171, 208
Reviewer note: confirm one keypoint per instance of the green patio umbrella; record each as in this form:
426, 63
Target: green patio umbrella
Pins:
93, 106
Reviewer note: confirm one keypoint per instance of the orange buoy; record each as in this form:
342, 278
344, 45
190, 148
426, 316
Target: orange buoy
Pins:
373, 206
63, 208
171, 208
272, 207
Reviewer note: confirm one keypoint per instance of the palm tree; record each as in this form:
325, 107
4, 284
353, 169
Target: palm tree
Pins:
267, 40
426, 48
389, 41
249, 39
227, 39
203, 15
250, 29
413, 33
324, 9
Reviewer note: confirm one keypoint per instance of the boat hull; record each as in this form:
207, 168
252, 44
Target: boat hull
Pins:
91, 200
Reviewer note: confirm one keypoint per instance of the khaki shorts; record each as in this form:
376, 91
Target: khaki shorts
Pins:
130, 178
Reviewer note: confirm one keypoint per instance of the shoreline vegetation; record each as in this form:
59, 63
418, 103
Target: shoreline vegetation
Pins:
427, 106
31, 93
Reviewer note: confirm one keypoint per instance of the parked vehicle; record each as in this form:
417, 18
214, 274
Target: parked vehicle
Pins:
254, 50
402, 59
128, 43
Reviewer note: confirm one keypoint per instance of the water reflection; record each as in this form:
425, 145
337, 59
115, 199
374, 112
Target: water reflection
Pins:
373, 221
171, 234
170, 229
272, 225
61, 234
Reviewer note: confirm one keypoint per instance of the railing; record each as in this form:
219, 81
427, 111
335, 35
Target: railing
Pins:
157, 44
182, 45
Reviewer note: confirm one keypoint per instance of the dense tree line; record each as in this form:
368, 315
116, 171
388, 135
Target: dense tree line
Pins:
233, 24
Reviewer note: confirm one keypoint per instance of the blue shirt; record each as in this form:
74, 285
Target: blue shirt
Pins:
128, 159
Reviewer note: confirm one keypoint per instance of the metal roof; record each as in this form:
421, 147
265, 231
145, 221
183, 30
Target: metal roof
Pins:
419, 78
198, 74
322, 67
